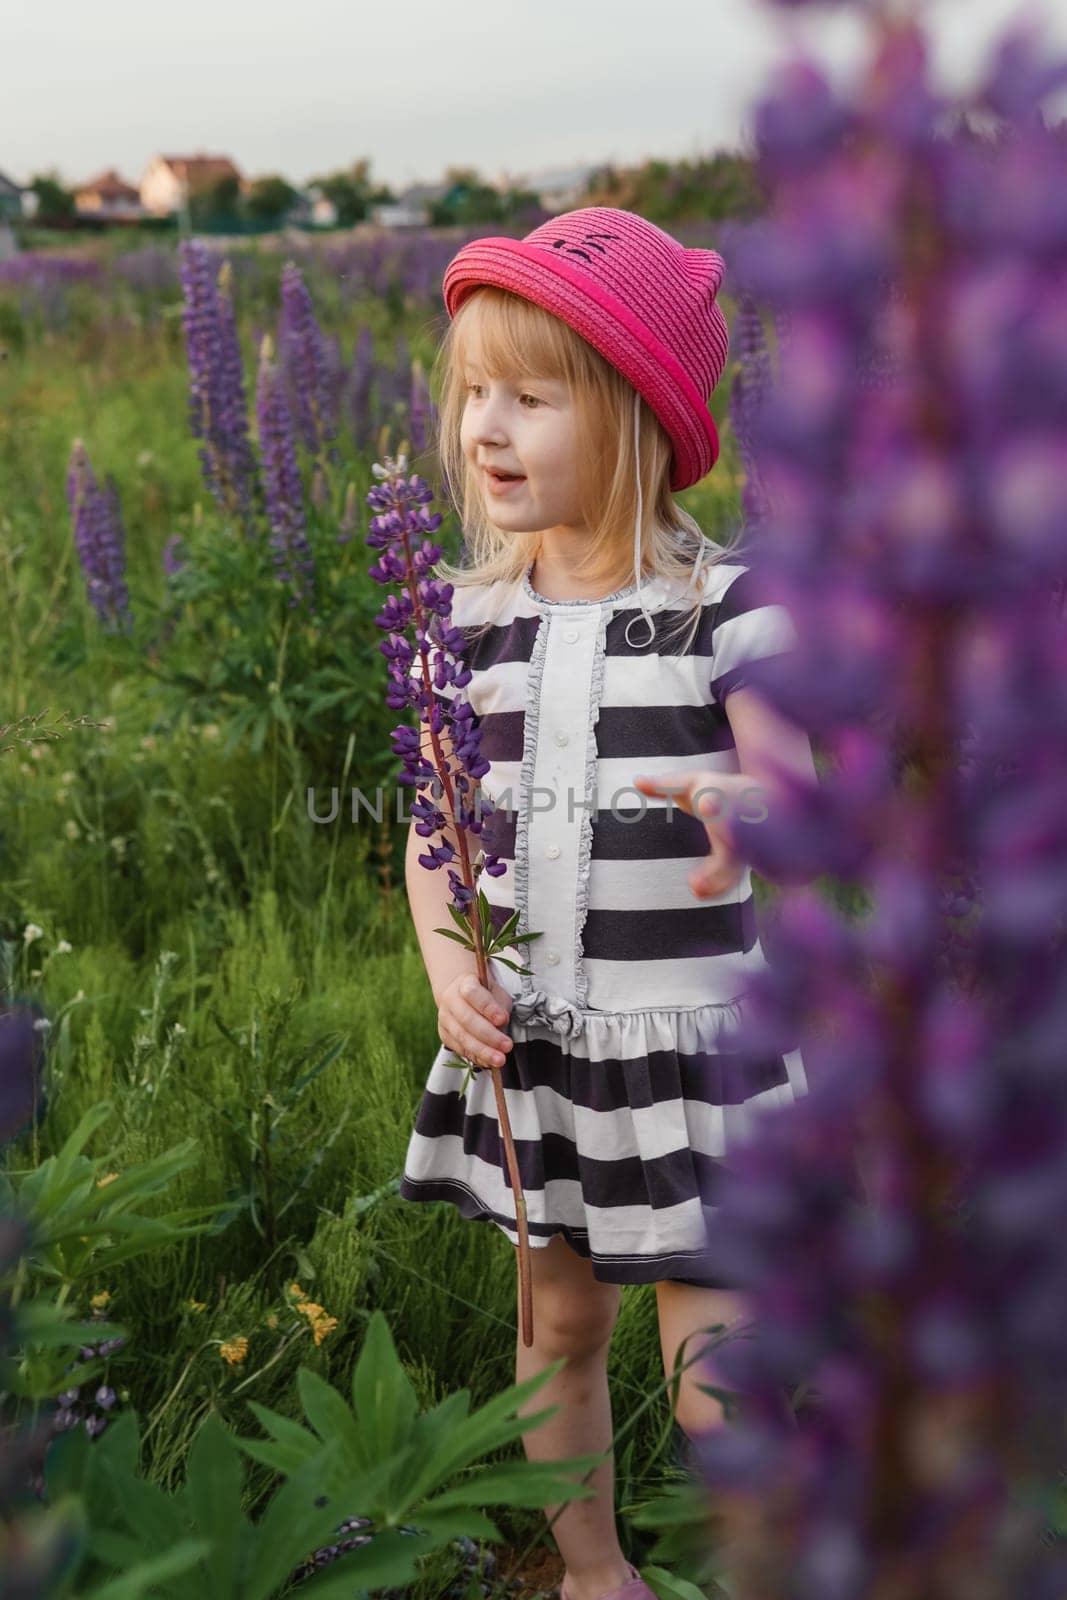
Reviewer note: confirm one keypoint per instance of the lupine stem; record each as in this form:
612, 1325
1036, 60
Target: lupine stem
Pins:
441, 767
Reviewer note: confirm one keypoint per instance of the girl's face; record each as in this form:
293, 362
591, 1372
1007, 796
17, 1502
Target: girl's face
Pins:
527, 426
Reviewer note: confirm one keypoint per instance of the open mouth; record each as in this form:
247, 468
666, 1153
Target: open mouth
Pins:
504, 477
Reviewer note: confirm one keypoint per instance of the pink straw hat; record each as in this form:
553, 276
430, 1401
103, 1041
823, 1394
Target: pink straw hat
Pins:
646, 302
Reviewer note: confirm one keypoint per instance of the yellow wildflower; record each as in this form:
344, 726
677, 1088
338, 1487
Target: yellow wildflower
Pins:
321, 1324
272, 1320
196, 1305
97, 1301
109, 1178
234, 1351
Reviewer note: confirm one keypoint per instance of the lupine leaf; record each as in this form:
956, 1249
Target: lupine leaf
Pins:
212, 1493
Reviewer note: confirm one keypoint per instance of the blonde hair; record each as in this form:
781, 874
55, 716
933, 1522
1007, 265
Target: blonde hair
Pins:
512, 335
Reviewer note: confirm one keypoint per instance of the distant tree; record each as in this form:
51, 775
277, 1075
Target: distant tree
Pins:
270, 199
54, 202
710, 187
350, 191
216, 202
467, 199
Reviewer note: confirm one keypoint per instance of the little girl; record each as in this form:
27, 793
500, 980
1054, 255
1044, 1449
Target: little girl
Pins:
608, 643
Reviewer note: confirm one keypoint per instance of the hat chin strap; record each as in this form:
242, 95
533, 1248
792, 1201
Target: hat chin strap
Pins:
701, 553
644, 612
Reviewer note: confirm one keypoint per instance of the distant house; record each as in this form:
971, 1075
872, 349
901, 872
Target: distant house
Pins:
560, 188
323, 210
170, 182
411, 210
313, 207
110, 198
10, 197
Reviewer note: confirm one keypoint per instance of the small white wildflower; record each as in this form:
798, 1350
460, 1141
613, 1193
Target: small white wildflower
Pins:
211, 875
145, 458
26, 769
210, 730
71, 829
64, 948
178, 1030
149, 742
38, 751
118, 844
31, 932
67, 777
41, 1025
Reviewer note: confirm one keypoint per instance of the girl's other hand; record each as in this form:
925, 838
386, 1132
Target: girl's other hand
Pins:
707, 796
470, 1018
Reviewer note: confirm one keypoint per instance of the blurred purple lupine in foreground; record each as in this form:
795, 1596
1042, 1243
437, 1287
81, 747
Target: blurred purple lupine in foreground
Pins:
425, 601
21, 1053
283, 491
218, 405
306, 361
100, 538
899, 1232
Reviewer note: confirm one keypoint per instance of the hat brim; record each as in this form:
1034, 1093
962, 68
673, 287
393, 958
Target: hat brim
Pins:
609, 326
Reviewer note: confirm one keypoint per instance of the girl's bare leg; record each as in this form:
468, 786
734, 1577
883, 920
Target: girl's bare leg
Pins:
686, 1309
574, 1316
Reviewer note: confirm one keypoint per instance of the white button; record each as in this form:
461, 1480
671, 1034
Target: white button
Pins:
563, 738
552, 957
552, 850
571, 635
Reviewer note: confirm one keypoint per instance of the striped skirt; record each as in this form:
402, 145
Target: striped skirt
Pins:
622, 1123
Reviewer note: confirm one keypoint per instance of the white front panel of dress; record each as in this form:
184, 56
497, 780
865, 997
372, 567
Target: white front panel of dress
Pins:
558, 796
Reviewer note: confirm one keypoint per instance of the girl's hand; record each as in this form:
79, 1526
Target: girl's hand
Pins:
707, 796
466, 1013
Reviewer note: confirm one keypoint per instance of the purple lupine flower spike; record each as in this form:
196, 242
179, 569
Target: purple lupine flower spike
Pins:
746, 398
401, 520
173, 561
307, 362
21, 1050
418, 409
100, 538
218, 406
283, 491
359, 385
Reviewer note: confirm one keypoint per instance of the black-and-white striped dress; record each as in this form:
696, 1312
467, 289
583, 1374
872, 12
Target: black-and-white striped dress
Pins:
623, 1094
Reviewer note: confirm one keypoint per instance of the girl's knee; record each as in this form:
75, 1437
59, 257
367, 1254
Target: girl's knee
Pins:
570, 1323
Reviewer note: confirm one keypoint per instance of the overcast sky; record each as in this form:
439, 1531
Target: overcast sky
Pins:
306, 86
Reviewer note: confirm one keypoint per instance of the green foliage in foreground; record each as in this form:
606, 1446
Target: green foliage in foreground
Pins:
379, 1457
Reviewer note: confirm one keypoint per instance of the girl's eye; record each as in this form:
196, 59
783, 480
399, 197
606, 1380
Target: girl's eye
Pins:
472, 386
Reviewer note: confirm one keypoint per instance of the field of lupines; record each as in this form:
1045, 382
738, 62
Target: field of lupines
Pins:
236, 987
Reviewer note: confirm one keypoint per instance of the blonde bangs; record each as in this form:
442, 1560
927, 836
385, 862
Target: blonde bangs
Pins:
511, 337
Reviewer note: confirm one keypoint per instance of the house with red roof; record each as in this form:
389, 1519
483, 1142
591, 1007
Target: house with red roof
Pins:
110, 198
170, 182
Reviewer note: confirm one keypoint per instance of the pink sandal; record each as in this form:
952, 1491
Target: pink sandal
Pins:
634, 1589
